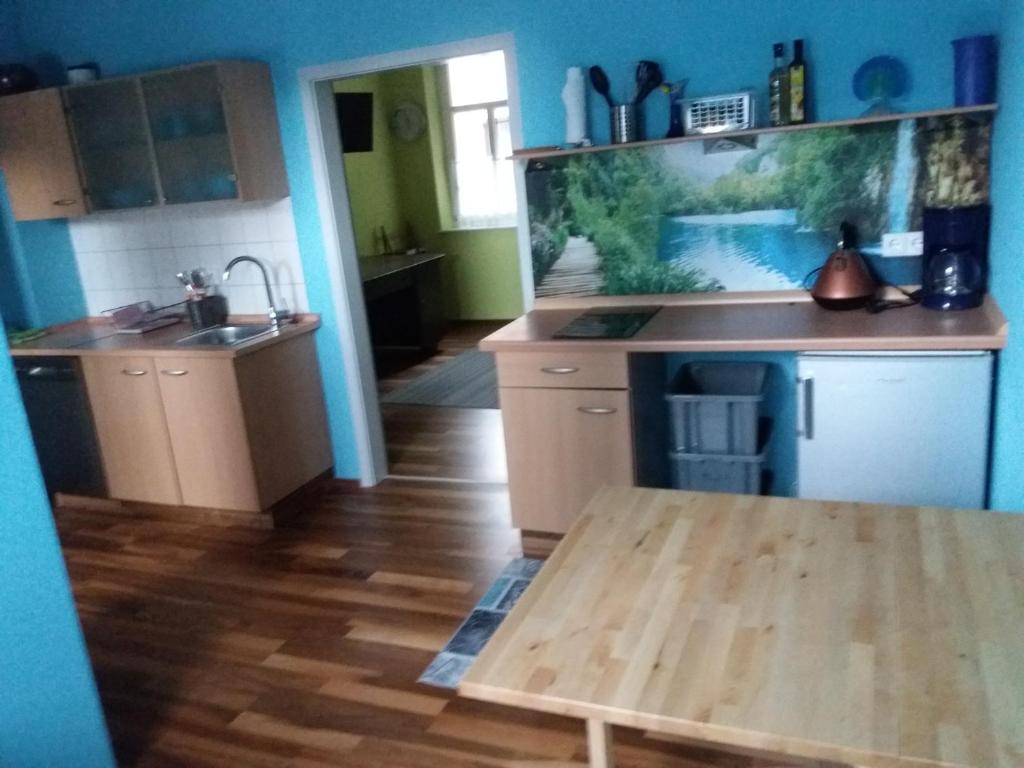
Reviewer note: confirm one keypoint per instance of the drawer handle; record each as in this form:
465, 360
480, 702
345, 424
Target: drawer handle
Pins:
596, 411
133, 372
174, 372
559, 371
65, 202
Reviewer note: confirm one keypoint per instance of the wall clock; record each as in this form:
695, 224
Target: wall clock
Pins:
408, 121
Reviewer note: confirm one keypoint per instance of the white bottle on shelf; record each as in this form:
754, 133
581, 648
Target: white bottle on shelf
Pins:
574, 97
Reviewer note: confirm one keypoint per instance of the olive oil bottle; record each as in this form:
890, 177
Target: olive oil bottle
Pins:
778, 88
798, 85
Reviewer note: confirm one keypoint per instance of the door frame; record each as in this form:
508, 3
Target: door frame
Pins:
335, 211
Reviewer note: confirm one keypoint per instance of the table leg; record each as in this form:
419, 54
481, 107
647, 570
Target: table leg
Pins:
599, 744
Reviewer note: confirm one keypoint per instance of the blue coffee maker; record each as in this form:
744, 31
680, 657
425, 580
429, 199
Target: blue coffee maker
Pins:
955, 264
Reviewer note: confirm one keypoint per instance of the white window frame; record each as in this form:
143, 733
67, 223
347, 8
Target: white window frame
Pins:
498, 221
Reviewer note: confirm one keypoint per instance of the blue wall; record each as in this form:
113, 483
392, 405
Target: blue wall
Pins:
49, 260
49, 711
1006, 253
41, 285
17, 302
717, 44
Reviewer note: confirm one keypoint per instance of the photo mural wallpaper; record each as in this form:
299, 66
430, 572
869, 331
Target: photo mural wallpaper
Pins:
685, 218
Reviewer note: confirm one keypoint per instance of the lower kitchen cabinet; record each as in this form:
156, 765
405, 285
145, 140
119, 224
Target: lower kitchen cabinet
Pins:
562, 445
206, 423
232, 433
131, 427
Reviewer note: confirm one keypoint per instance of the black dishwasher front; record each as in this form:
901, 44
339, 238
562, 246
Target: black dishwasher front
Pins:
55, 398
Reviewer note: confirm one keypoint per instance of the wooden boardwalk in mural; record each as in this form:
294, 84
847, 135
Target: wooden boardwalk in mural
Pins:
576, 273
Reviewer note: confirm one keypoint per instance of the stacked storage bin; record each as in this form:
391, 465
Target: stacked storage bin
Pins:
715, 412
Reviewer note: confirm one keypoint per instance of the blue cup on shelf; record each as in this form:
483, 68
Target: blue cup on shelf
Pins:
974, 73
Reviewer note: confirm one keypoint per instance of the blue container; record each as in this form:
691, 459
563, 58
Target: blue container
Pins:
974, 74
955, 264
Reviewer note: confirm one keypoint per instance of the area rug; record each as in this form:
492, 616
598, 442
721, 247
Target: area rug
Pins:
448, 667
467, 381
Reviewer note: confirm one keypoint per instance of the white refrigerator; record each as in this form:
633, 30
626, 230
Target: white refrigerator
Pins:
894, 428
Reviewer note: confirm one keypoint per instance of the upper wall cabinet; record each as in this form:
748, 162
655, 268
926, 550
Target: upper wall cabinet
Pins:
184, 135
108, 119
37, 157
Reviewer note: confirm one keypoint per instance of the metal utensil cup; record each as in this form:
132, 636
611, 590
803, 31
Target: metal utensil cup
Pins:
626, 124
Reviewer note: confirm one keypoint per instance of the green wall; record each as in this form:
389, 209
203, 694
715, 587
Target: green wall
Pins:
373, 189
404, 186
481, 274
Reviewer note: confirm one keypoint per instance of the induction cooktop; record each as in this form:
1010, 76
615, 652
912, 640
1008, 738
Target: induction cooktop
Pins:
604, 324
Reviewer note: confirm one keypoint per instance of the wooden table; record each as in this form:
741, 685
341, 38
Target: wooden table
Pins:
883, 637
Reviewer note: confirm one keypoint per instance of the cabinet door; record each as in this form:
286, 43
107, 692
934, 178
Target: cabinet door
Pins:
208, 433
108, 120
895, 428
37, 157
125, 397
562, 445
190, 136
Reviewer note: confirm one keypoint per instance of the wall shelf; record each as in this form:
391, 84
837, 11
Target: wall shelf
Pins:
538, 153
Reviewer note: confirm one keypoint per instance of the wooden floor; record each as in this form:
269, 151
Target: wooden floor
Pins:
444, 443
300, 647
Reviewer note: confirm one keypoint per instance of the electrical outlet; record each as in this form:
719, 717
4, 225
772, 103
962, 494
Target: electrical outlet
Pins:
901, 244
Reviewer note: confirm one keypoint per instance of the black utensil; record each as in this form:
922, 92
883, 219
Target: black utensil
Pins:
599, 80
648, 77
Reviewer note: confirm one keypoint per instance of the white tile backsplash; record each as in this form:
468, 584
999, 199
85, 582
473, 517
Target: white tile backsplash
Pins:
134, 255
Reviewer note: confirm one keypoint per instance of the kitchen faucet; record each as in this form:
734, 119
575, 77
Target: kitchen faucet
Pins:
275, 315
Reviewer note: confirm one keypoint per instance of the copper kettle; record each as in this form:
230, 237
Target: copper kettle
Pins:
845, 281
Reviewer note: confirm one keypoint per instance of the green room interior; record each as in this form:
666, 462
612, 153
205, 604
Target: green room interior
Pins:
403, 187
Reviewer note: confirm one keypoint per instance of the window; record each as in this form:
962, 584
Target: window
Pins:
480, 143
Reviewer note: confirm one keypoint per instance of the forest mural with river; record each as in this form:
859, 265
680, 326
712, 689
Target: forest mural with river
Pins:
677, 218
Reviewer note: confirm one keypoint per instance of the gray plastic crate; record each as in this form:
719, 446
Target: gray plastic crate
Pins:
715, 406
718, 474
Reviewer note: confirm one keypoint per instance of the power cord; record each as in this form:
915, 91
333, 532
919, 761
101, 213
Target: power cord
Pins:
883, 305
878, 305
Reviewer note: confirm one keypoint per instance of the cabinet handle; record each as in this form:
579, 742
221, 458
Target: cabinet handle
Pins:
133, 372
559, 371
174, 372
596, 411
65, 202
805, 407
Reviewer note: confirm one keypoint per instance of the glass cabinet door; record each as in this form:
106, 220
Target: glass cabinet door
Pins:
190, 136
109, 124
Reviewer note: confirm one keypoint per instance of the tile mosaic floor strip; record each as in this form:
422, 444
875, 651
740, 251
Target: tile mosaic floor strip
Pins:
448, 667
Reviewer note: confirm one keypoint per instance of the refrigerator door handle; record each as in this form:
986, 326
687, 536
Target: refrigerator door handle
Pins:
805, 407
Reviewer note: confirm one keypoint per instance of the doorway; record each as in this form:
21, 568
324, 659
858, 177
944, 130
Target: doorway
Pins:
418, 204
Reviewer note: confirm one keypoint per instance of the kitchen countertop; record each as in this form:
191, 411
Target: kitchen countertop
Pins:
91, 336
374, 267
794, 325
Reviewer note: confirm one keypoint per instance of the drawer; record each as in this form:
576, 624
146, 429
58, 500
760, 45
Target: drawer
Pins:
571, 370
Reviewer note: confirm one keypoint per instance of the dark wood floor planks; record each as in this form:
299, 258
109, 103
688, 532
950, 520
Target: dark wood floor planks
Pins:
300, 647
444, 443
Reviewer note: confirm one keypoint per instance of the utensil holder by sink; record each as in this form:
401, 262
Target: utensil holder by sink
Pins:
626, 124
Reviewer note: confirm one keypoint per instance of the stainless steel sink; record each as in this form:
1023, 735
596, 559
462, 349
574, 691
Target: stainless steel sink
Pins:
224, 335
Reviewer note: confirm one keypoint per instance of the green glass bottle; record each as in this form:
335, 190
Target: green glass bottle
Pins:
778, 89
798, 85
